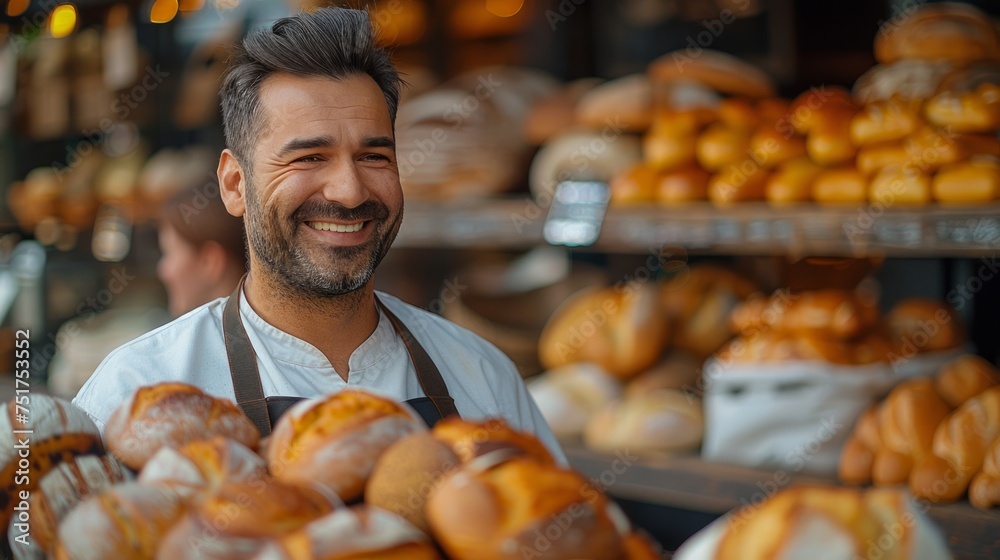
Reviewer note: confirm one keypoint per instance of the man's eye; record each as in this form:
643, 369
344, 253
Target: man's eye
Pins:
376, 157
308, 159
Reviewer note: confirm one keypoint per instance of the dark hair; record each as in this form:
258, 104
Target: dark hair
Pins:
331, 42
198, 215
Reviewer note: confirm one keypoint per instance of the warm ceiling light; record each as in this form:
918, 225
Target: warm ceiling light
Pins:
163, 11
191, 5
62, 20
17, 7
504, 8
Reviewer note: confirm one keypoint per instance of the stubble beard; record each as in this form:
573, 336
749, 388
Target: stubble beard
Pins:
331, 271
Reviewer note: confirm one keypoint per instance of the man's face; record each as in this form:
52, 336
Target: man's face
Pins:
323, 200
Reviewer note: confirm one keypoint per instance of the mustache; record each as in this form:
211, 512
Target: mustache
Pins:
316, 210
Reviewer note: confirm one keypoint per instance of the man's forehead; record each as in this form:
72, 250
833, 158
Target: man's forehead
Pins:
283, 95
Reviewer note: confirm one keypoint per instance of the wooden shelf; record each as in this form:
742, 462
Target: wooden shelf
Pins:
689, 483
750, 228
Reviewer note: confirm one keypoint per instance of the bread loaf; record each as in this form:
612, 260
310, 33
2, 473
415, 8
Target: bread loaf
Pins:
240, 518
636, 185
924, 325
959, 447
742, 182
204, 464
172, 414
738, 113
830, 144
626, 101
955, 32
984, 492
874, 157
720, 146
845, 185
900, 186
907, 420
521, 508
929, 148
856, 462
677, 371
57, 432
660, 422
965, 377
686, 184
770, 146
63, 488
357, 533
699, 302
334, 441
621, 329
821, 107
885, 121
837, 314
977, 180
974, 111
665, 148
126, 521
793, 181
569, 396
555, 112
719, 71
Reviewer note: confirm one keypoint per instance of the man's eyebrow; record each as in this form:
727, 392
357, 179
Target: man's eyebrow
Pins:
379, 142
297, 144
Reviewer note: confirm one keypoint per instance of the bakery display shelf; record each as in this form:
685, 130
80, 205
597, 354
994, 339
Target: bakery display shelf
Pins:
692, 484
748, 228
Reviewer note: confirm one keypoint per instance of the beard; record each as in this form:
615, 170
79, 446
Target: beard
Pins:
318, 271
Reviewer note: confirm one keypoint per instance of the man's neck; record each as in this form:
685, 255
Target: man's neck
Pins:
334, 325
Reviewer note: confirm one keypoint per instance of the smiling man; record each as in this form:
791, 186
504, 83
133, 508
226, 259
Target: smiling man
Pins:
308, 110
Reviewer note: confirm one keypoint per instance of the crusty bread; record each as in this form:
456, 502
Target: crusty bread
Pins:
965, 377
569, 396
59, 432
720, 146
636, 185
126, 521
984, 492
874, 157
659, 422
839, 314
907, 421
840, 185
204, 464
722, 72
900, 185
954, 32
502, 511
885, 121
668, 148
738, 182
977, 180
334, 441
556, 112
792, 181
627, 102
972, 111
924, 325
685, 184
771, 146
172, 414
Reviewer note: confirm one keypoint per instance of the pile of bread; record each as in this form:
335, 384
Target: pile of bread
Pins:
623, 361
940, 436
351, 475
890, 142
839, 327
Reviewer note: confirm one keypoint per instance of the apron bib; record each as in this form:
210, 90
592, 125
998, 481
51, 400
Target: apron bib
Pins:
264, 412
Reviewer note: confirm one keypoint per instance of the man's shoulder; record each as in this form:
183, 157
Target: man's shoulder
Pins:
192, 324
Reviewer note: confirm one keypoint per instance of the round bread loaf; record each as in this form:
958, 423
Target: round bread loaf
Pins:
560, 159
686, 184
125, 521
357, 533
677, 371
741, 182
771, 146
951, 31
875, 157
820, 107
55, 431
722, 72
908, 79
964, 378
885, 121
556, 112
569, 396
636, 185
924, 325
335, 441
521, 508
977, 180
240, 518
667, 148
172, 414
900, 185
660, 422
840, 185
720, 146
623, 104
206, 464
792, 181
972, 111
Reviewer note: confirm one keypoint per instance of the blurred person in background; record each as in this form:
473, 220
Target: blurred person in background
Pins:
203, 257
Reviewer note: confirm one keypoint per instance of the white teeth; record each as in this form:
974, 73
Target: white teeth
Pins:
325, 226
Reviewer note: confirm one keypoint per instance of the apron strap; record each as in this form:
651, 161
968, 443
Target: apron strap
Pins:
246, 376
243, 365
428, 374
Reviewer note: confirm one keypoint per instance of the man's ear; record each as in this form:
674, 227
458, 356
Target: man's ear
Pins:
232, 184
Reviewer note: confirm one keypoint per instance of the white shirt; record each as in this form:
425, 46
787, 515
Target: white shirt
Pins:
482, 380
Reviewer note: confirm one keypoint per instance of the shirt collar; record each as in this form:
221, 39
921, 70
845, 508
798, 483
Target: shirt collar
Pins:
290, 349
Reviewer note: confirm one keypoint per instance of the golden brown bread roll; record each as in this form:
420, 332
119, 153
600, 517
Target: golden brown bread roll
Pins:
569, 396
773, 110
949, 31
204, 464
874, 157
828, 313
502, 511
905, 185
336, 440
621, 329
738, 113
682, 122
686, 184
677, 371
125, 521
974, 111
907, 420
821, 106
856, 462
59, 432
659, 422
871, 348
699, 303
885, 121
407, 471
668, 149
720, 146
829, 144
977, 180
984, 492
959, 447
719, 71
627, 101
793, 180
924, 325
636, 185
844, 185
964, 378
770, 146
240, 518
63, 488
909, 79
775, 346
357, 533
931, 148
738, 183
172, 414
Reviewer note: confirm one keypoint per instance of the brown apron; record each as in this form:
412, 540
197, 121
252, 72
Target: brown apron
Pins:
264, 412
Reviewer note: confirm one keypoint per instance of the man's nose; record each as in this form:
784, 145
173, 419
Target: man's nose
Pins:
345, 185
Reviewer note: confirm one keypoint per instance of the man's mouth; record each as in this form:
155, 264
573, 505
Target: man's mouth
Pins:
339, 228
